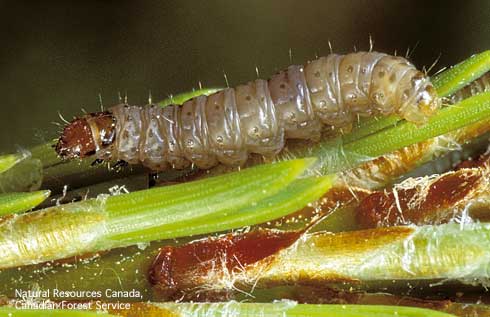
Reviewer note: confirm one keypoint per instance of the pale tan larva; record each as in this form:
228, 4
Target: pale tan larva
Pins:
257, 117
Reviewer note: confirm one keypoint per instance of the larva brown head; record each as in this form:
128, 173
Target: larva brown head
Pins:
84, 136
428, 101
419, 99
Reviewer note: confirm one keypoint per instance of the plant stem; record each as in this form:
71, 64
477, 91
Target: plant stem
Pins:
370, 126
20, 202
217, 203
357, 259
460, 75
183, 97
9, 160
232, 308
26, 175
292, 309
386, 254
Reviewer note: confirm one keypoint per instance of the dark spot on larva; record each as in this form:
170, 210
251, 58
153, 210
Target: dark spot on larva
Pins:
216, 107
392, 78
248, 98
189, 113
350, 69
381, 74
363, 70
317, 74
282, 86
262, 99
331, 75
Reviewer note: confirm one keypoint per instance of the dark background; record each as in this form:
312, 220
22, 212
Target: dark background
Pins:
58, 56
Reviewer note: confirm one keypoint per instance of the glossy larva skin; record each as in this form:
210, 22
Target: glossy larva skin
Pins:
259, 116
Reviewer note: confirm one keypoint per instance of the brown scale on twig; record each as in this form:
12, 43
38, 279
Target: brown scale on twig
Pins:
177, 272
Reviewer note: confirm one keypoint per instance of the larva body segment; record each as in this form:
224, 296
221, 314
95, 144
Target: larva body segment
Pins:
194, 133
289, 89
155, 148
259, 116
225, 134
129, 136
262, 131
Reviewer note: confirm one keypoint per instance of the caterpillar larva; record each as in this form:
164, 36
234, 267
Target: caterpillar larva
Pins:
226, 127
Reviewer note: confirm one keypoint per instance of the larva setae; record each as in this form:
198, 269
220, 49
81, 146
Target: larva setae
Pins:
227, 126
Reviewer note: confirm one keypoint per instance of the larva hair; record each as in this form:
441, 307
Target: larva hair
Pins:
227, 126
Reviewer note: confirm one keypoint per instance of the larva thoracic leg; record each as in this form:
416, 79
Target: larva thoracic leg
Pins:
256, 117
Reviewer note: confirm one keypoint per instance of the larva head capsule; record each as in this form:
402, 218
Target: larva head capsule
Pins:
85, 136
419, 99
428, 101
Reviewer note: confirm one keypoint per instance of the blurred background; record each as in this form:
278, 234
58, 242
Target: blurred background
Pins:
59, 56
